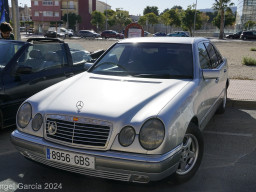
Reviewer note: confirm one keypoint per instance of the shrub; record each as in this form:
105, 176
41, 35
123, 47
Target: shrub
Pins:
249, 61
253, 49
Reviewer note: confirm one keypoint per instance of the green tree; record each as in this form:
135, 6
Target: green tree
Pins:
220, 6
175, 17
165, 19
205, 18
72, 19
188, 20
249, 24
177, 7
152, 18
211, 16
229, 19
98, 19
166, 10
110, 13
152, 9
142, 20
110, 16
121, 19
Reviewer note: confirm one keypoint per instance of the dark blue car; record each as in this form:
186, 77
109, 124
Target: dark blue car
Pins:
159, 34
28, 67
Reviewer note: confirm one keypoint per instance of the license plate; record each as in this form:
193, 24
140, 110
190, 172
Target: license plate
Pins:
79, 160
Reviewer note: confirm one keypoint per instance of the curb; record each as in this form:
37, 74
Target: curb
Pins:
241, 104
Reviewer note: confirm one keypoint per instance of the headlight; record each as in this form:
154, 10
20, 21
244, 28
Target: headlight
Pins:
24, 115
126, 136
152, 134
37, 122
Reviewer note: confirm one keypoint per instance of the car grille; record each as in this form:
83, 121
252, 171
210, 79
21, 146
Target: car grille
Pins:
80, 132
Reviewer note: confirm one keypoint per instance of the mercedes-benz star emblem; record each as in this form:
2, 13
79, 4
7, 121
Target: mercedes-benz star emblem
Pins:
79, 105
52, 128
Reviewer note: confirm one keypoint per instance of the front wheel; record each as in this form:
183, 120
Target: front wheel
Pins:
191, 155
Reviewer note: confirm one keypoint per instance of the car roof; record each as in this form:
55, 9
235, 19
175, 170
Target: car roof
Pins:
183, 40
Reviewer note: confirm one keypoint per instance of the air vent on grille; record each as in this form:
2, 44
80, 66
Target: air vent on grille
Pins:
78, 133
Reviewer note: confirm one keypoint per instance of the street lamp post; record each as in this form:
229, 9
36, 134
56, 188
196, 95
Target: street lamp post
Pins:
106, 14
16, 22
67, 16
195, 19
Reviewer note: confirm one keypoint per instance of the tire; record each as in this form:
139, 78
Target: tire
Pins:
222, 107
191, 156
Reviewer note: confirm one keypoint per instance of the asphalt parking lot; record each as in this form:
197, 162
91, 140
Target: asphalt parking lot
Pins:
228, 162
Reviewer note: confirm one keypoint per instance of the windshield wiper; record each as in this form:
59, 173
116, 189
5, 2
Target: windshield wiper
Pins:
163, 76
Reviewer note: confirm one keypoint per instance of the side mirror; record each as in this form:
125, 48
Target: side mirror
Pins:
211, 73
23, 70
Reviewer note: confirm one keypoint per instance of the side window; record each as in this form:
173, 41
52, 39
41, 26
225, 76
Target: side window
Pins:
39, 57
220, 60
213, 57
203, 57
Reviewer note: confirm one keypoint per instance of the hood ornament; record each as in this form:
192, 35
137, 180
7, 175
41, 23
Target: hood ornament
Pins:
79, 106
52, 128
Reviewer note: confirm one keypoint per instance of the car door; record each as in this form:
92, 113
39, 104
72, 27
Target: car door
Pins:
39, 67
204, 97
219, 65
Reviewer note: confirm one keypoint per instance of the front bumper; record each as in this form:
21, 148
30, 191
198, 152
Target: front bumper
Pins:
108, 164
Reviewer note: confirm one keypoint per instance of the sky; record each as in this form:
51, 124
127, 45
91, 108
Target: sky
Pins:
136, 7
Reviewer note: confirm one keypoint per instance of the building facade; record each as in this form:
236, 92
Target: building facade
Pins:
46, 12
102, 6
246, 11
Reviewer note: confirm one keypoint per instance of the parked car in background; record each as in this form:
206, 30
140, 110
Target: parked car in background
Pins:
147, 34
54, 34
28, 67
88, 33
61, 31
178, 34
248, 35
70, 32
234, 35
136, 115
31, 30
111, 34
51, 34
159, 34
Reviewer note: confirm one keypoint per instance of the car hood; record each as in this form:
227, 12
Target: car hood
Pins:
109, 97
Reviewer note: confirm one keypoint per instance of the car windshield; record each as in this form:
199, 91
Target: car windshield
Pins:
7, 50
79, 54
147, 60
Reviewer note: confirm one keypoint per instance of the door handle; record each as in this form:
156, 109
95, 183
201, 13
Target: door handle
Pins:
217, 80
225, 70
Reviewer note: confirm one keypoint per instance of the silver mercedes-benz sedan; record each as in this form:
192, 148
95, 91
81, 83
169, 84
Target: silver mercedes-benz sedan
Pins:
136, 115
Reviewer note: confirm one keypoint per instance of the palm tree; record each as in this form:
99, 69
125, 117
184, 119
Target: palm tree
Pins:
221, 5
